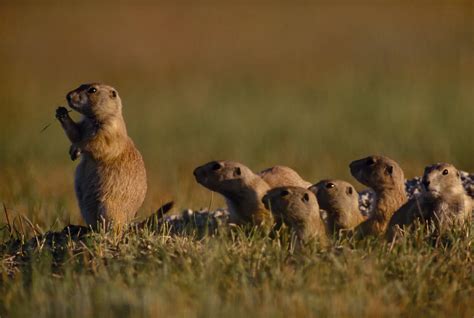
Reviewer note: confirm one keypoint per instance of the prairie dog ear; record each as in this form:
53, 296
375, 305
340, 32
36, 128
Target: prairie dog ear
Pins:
237, 171
313, 188
390, 170
113, 93
305, 197
349, 190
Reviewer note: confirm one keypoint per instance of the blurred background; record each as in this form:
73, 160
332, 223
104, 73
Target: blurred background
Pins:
308, 85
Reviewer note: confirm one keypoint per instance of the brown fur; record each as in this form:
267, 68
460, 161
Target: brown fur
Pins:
299, 210
443, 201
110, 180
341, 202
386, 178
281, 176
242, 189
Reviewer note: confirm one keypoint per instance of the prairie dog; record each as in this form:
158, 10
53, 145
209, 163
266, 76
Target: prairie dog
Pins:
386, 178
299, 210
280, 176
341, 202
110, 180
443, 201
242, 189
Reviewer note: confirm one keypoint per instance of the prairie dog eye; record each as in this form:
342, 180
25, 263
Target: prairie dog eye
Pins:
370, 161
330, 185
284, 193
216, 166
445, 172
305, 197
92, 90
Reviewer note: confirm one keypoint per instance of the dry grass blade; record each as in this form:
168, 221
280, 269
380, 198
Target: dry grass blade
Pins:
10, 230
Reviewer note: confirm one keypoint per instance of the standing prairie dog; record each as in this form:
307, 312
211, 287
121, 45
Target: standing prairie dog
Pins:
443, 201
299, 210
110, 180
341, 202
386, 178
242, 189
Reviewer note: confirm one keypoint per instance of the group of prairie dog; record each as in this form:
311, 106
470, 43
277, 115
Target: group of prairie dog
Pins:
111, 184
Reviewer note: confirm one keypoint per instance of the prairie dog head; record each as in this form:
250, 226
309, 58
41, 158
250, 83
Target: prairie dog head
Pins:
442, 179
378, 172
294, 205
336, 196
225, 177
98, 101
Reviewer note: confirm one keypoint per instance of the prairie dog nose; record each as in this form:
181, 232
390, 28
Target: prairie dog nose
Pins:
426, 184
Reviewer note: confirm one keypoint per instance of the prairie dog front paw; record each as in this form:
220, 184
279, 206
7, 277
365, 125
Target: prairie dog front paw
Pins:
74, 152
62, 113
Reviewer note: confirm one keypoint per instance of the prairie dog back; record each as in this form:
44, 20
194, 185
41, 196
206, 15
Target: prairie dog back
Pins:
281, 176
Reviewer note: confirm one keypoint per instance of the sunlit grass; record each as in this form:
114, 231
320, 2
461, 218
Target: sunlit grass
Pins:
146, 274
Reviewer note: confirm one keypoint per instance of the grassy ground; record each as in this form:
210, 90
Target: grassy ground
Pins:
312, 86
153, 274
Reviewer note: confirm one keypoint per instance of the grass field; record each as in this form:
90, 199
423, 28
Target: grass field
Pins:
311, 86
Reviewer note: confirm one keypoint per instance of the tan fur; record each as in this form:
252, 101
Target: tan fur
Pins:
443, 201
242, 189
299, 210
110, 180
341, 202
281, 176
386, 178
